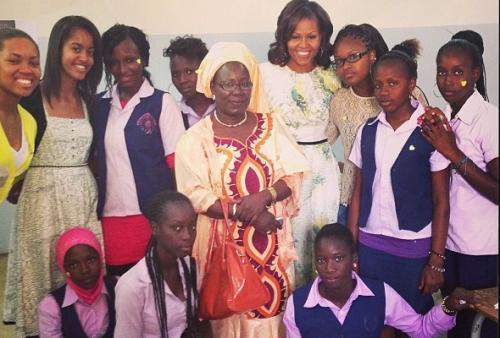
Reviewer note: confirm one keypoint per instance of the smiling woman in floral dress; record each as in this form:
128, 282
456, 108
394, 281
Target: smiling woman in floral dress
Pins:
299, 82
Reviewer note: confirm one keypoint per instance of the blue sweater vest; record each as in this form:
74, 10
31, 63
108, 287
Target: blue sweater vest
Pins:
144, 147
411, 179
365, 318
70, 324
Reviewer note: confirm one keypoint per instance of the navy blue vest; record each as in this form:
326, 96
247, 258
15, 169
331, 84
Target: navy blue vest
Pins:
144, 147
411, 179
70, 324
365, 318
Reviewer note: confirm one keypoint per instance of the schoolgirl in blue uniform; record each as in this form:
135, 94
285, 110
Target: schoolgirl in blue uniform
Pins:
400, 208
137, 128
340, 303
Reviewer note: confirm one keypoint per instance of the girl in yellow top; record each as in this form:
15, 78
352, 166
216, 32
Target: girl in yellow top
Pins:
19, 75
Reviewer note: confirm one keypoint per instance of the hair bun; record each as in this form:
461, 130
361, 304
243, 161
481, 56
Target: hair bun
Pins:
471, 36
410, 47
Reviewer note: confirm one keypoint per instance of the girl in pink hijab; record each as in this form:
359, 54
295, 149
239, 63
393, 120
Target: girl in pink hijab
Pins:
84, 305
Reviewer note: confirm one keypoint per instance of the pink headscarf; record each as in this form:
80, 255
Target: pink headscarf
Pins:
66, 241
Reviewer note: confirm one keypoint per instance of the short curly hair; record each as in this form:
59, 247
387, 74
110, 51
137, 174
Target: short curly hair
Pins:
187, 46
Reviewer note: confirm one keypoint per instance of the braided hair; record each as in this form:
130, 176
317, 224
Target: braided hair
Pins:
155, 211
367, 34
115, 35
157, 280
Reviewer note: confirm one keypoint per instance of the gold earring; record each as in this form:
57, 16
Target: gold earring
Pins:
463, 83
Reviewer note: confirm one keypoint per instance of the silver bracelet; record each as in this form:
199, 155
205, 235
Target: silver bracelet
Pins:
435, 268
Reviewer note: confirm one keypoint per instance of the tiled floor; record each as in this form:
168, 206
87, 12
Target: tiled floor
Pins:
6, 331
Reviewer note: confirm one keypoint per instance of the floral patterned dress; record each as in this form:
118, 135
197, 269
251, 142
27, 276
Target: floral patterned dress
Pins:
302, 102
59, 192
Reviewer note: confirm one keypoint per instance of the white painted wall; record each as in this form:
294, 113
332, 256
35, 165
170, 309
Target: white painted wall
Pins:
236, 16
253, 22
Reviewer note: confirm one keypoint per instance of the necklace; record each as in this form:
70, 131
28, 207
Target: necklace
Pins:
230, 125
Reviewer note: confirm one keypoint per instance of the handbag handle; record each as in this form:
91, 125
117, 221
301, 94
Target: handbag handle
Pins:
225, 232
214, 238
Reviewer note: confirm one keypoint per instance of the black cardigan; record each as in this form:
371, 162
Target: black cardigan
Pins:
34, 105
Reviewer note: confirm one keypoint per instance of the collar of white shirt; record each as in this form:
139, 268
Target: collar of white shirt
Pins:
469, 112
410, 124
188, 110
145, 90
314, 298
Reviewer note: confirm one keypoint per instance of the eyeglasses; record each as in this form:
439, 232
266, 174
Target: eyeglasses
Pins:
355, 57
231, 86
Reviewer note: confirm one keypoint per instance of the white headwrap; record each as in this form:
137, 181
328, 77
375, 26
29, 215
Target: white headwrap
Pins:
222, 53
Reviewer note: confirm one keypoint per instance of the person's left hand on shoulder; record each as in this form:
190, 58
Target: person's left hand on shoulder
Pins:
437, 130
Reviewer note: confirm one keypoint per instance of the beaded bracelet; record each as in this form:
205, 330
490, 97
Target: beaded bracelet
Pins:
432, 252
445, 309
435, 268
462, 162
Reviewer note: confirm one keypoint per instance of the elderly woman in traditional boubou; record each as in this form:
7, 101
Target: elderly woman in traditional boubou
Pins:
244, 155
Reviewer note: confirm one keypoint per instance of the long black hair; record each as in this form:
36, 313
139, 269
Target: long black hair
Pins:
366, 33
288, 19
118, 33
62, 30
155, 211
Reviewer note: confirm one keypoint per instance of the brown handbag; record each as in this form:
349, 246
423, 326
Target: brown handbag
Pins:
230, 285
